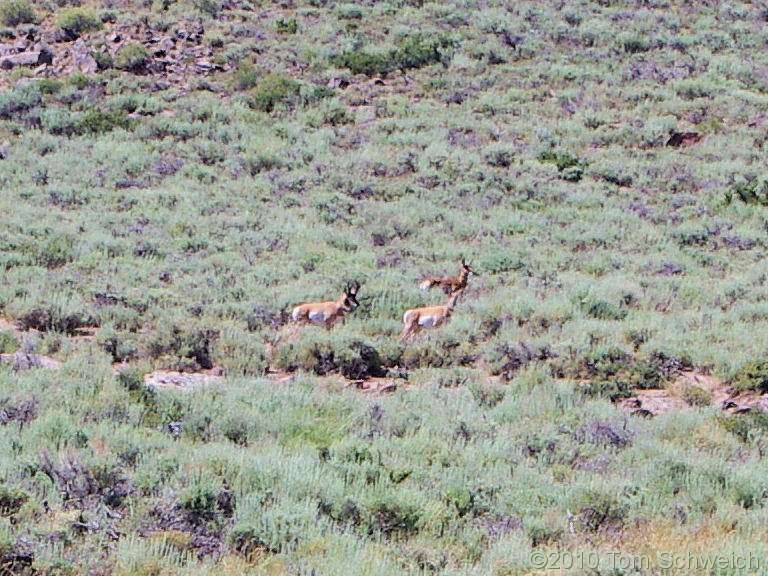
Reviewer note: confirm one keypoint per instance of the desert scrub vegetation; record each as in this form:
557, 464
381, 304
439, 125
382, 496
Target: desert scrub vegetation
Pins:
166, 205
252, 473
15, 12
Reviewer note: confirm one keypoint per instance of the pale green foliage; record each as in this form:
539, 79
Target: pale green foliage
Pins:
383, 143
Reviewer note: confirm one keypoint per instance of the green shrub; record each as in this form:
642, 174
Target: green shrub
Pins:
695, 396
245, 76
200, 500
752, 376
422, 50
745, 426
248, 540
241, 354
78, 21
99, 121
361, 62
132, 57
317, 353
561, 159
51, 317
387, 517
600, 510
415, 51
11, 501
210, 7
750, 191
634, 44
573, 174
289, 26
49, 86
56, 250
542, 534
9, 342
15, 12
602, 310
273, 90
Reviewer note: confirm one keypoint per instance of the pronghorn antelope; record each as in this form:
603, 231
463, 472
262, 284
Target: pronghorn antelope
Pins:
428, 317
450, 285
327, 313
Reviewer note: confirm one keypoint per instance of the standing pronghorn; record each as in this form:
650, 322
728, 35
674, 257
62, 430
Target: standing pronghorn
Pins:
428, 317
327, 313
450, 285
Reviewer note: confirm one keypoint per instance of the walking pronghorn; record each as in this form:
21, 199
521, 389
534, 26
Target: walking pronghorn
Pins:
327, 313
450, 285
429, 316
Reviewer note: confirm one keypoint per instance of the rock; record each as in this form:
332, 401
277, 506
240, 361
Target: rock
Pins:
63, 35
22, 361
166, 43
84, 62
178, 380
46, 56
32, 58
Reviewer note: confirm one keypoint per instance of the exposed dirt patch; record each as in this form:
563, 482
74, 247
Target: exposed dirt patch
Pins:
691, 390
6, 325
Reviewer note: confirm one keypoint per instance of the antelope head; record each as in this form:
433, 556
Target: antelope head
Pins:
466, 270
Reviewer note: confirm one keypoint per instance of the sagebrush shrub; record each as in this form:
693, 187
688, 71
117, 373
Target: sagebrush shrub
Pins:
132, 57
78, 21
16, 12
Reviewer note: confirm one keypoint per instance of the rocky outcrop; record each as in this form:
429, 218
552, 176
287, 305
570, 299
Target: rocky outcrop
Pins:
174, 55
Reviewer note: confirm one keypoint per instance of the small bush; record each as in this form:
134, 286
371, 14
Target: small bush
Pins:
200, 501
241, 354
16, 12
289, 26
422, 50
635, 44
499, 157
746, 426
750, 191
562, 159
752, 376
248, 540
132, 57
99, 122
602, 310
600, 511
359, 62
543, 534
695, 396
415, 51
104, 60
78, 21
209, 7
51, 318
387, 517
273, 90
573, 174
56, 251
9, 343
245, 76
11, 501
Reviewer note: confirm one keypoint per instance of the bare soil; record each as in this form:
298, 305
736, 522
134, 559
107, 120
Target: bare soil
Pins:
682, 395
